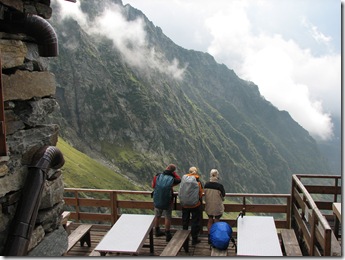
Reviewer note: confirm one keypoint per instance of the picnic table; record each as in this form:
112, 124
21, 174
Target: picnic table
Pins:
337, 210
336, 206
257, 236
128, 235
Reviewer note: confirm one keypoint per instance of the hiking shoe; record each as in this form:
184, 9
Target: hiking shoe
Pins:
195, 241
168, 236
159, 233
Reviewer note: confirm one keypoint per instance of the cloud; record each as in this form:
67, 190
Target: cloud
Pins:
275, 44
128, 37
289, 76
315, 33
72, 10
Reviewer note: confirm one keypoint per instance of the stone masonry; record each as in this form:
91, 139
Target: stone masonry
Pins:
28, 92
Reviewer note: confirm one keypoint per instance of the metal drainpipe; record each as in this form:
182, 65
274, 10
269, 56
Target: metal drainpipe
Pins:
3, 145
24, 219
35, 27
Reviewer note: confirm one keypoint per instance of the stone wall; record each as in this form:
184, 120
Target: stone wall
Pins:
28, 91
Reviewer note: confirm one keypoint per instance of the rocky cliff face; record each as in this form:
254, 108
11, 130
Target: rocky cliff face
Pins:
28, 94
144, 106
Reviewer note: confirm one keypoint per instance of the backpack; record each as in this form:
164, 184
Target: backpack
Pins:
189, 191
162, 194
220, 235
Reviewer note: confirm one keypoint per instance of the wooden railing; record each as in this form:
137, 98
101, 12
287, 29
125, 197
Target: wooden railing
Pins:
311, 206
307, 209
105, 206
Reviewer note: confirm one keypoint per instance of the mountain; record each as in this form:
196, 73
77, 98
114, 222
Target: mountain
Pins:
143, 105
331, 149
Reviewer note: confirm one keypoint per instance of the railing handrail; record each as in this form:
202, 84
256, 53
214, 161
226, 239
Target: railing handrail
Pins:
106, 191
304, 191
317, 176
115, 205
308, 229
317, 231
149, 192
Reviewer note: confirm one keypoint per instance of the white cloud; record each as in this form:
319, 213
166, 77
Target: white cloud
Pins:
282, 46
229, 29
315, 33
129, 37
69, 9
288, 76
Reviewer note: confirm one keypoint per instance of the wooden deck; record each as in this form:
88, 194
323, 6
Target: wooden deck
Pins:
307, 210
97, 233
202, 249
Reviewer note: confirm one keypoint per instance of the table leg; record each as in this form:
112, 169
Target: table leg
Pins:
336, 226
151, 242
186, 245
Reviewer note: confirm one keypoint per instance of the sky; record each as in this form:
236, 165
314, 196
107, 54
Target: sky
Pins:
291, 49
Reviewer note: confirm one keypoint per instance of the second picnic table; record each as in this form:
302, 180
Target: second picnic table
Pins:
257, 236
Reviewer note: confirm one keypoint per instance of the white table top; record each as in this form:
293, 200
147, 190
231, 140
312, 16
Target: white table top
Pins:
127, 235
337, 209
257, 236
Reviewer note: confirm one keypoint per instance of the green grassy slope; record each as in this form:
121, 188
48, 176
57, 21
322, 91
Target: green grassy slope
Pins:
81, 171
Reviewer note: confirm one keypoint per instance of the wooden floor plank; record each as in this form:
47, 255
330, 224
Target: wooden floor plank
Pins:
201, 249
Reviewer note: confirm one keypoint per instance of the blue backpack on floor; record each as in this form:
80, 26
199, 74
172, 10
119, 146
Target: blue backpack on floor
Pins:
220, 235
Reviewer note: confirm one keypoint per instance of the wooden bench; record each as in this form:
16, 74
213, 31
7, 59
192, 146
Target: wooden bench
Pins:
68, 229
65, 222
336, 207
218, 252
180, 238
335, 246
82, 234
94, 253
290, 243
64, 218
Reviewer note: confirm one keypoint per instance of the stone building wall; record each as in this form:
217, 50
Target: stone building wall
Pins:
28, 91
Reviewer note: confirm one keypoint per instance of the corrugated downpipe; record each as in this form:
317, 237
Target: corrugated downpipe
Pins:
24, 219
37, 28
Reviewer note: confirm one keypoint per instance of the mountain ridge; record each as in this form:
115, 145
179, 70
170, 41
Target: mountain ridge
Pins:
142, 120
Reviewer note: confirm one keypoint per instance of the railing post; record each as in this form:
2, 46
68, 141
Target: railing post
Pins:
114, 208
313, 223
288, 213
336, 190
244, 203
77, 211
292, 202
328, 243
